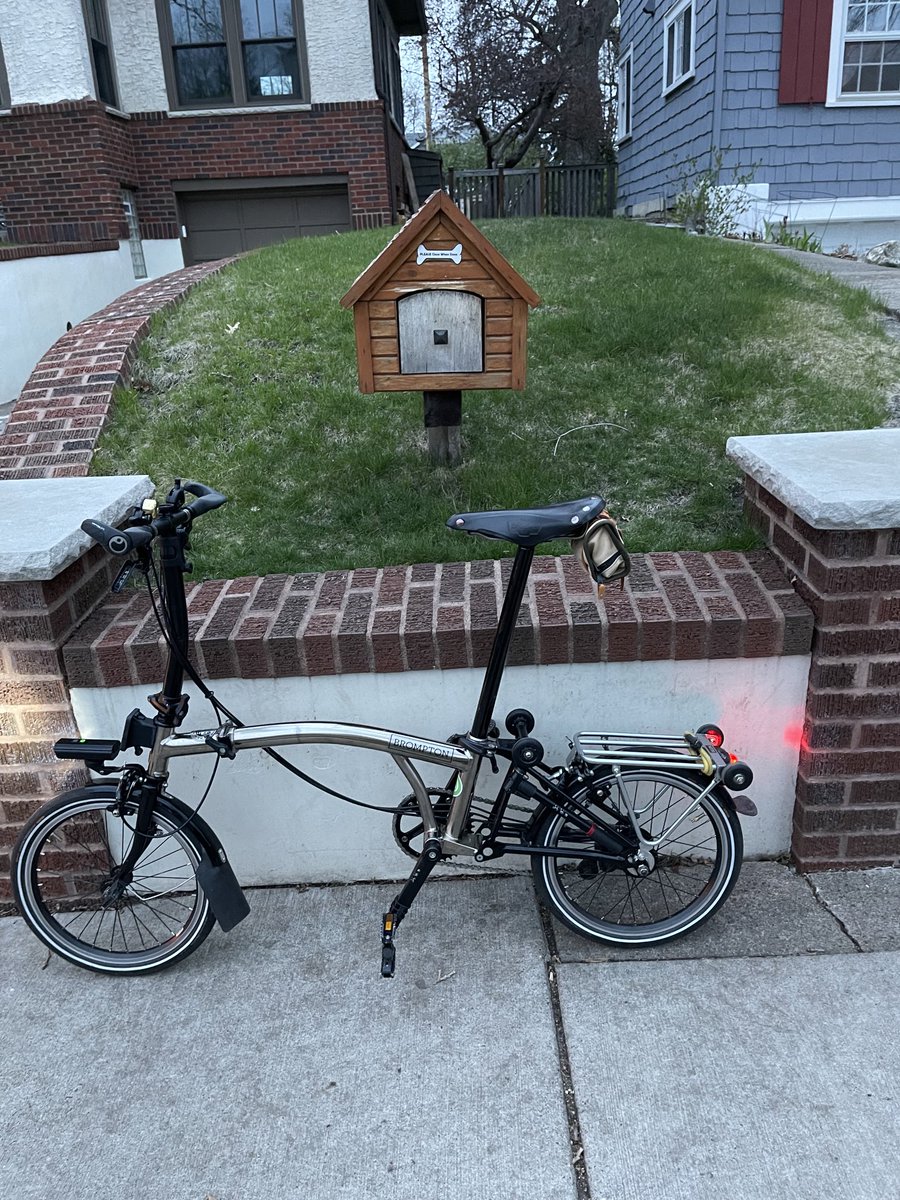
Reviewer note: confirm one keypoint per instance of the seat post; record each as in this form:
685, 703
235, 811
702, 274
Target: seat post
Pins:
512, 602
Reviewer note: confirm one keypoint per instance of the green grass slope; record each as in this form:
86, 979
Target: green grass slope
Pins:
649, 350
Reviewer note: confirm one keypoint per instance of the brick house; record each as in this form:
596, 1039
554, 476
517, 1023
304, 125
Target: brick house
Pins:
807, 92
137, 136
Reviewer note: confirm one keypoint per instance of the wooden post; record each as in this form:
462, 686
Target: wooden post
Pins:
501, 193
443, 417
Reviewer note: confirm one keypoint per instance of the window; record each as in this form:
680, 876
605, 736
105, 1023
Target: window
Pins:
386, 50
866, 52
97, 26
4, 82
678, 45
623, 123
134, 235
223, 52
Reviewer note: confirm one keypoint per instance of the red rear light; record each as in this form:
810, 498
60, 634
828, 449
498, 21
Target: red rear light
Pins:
715, 739
733, 758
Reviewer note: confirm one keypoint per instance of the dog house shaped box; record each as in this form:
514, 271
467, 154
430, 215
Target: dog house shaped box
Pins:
440, 309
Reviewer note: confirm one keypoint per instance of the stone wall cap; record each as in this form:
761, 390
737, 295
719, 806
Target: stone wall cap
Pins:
40, 519
843, 480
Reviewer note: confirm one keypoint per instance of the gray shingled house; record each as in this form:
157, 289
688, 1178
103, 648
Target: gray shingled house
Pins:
803, 93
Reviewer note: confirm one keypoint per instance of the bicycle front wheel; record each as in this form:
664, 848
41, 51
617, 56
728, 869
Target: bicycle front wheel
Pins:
63, 869
697, 857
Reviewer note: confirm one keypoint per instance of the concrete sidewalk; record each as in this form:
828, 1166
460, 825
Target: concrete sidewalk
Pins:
881, 282
276, 1063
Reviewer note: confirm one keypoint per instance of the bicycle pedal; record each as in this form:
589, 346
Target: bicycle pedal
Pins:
388, 961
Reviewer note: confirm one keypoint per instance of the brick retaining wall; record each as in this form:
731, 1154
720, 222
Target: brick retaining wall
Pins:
674, 606
61, 411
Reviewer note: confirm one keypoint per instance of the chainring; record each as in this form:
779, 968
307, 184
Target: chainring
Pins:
407, 825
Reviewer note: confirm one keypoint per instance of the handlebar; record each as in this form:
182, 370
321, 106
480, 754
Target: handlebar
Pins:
122, 542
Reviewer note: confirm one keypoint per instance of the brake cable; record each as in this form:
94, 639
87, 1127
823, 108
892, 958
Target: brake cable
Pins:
219, 708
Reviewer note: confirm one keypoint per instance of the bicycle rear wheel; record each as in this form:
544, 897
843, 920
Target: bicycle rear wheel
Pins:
696, 862
62, 868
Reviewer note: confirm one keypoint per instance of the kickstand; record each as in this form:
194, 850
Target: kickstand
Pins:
425, 864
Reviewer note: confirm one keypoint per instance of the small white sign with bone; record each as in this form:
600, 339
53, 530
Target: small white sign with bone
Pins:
423, 255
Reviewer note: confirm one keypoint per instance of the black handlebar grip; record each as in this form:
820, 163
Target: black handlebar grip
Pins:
207, 499
118, 541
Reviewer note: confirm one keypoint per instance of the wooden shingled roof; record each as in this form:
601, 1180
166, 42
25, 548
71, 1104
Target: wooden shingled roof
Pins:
438, 209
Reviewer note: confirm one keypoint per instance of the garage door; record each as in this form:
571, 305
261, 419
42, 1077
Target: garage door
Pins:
216, 224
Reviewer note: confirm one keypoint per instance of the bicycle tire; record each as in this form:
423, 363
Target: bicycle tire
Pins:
61, 864
706, 859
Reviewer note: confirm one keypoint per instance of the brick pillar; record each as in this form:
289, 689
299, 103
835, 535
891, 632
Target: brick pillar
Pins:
49, 582
847, 810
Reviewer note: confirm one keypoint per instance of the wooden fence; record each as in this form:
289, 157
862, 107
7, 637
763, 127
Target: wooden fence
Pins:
541, 191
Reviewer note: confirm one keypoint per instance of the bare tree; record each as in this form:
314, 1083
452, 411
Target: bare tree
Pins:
519, 70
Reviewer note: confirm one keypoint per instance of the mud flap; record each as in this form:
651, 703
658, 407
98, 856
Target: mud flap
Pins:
222, 890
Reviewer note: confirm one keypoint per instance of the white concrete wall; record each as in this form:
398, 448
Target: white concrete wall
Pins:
46, 51
859, 222
41, 294
138, 55
277, 829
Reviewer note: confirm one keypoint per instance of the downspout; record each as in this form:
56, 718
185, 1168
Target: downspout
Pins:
388, 163
719, 79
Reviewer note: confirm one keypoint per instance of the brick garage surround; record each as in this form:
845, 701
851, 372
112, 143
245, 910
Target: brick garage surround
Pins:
848, 788
674, 606
58, 418
64, 165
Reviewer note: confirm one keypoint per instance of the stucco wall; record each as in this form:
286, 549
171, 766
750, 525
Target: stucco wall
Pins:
46, 51
51, 62
44, 293
278, 830
138, 57
339, 50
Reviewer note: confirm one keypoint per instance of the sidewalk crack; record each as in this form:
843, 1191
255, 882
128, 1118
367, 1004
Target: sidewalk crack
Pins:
573, 1120
823, 903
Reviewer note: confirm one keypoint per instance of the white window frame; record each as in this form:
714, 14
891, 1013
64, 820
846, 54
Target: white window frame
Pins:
835, 98
671, 18
626, 67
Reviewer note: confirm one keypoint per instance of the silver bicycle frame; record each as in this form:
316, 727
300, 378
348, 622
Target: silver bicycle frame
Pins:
402, 748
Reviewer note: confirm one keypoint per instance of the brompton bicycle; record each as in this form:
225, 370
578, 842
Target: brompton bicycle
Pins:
633, 841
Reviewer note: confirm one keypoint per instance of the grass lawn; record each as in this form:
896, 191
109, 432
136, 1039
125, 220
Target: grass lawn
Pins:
667, 344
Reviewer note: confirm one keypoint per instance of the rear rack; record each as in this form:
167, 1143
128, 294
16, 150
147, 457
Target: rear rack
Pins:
689, 752
612, 749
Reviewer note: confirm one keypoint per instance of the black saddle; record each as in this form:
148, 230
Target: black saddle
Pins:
530, 526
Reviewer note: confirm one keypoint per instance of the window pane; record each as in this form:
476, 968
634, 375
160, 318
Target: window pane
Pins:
202, 74
868, 79
106, 88
892, 52
871, 53
267, 18
271, 69
856, 18
850, 79
894, 20
890, 78
877, 18
197, 21
686, 41
670, 56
